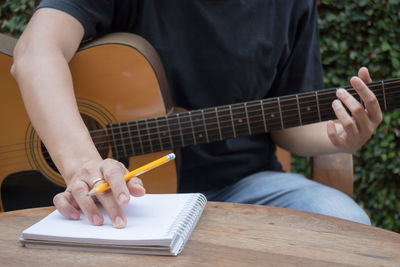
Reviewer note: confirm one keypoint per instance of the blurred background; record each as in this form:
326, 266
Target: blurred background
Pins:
353, 33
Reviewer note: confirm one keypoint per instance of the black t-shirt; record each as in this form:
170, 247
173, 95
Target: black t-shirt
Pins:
218, 52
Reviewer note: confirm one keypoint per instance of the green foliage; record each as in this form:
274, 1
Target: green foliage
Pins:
359, 33
377, 174
14, 14
367, 33
353, 34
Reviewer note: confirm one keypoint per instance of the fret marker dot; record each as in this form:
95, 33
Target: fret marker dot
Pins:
200, 135
308, 108
272, 115
240, 120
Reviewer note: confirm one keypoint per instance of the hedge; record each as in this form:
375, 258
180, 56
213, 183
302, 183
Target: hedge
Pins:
353, 34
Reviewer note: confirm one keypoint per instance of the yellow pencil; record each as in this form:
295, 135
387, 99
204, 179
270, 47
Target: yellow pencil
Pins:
104, 187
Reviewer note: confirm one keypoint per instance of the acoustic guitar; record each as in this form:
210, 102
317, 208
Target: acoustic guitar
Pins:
122, 94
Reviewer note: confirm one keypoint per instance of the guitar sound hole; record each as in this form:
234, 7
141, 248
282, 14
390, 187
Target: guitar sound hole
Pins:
99, 137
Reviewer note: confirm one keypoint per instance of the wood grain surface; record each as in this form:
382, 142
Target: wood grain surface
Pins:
229, 235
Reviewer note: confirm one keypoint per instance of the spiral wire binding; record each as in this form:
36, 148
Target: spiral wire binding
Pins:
187, 219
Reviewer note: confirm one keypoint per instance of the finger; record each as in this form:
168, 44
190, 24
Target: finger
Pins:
363, 73
113, 173
107, 200
370, 101
333, 135
113, 209
79, 189
136, 188
66, 205
345, 119
357, 110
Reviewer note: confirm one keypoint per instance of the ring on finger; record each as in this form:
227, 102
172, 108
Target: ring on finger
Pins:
95, 181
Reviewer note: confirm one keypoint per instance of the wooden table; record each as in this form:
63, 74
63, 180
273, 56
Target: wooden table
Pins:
229, 235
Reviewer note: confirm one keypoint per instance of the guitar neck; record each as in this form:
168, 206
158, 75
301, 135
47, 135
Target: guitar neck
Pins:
230, 121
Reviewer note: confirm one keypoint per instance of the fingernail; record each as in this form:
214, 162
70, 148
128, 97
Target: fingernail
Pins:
336, 103
96, 220
357, 79
123, 198
140, 187
340, 92
118, 222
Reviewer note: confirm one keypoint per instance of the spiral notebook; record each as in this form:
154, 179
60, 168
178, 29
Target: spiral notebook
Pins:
157, 224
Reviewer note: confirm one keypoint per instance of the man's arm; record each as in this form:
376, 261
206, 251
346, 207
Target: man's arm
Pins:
41, 69
347, 134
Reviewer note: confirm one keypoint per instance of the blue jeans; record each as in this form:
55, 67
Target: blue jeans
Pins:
294, 191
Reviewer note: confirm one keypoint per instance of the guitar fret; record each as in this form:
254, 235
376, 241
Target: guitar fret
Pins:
239, 119
110, 129
118, 141
247, 117
263, 115
280, 112
289, 108
319, 112
143, 136
255, 117
308, 108
272, 116
186, 129
134, 132
384, 95
191, 123
148, 134
209, 126
226, 122
169, 132
126, 138
298, 109
154, 135
175, 130
130, 139
205, 126
326, 105
219, 125
163, 131
180, 130
159, 134
199, 126
233, 126
140, 137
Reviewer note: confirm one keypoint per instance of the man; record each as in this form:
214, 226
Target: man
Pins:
215, 53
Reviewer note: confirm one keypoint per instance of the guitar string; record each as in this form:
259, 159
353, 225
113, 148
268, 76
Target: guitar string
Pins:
274, 101
288, 122
175, 122
253, 122
257, 103
239, 106
157, 139
176, 119
118, 151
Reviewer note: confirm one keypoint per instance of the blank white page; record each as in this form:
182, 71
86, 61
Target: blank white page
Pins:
149, 219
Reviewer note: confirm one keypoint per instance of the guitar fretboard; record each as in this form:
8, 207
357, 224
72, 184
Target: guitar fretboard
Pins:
230, 121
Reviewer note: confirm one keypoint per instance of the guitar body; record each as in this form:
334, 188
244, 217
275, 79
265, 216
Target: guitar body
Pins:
116, 78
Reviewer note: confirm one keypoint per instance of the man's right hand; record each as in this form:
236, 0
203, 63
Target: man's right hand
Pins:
74, 198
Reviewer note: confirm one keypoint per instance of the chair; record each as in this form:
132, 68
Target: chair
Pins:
334, 170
